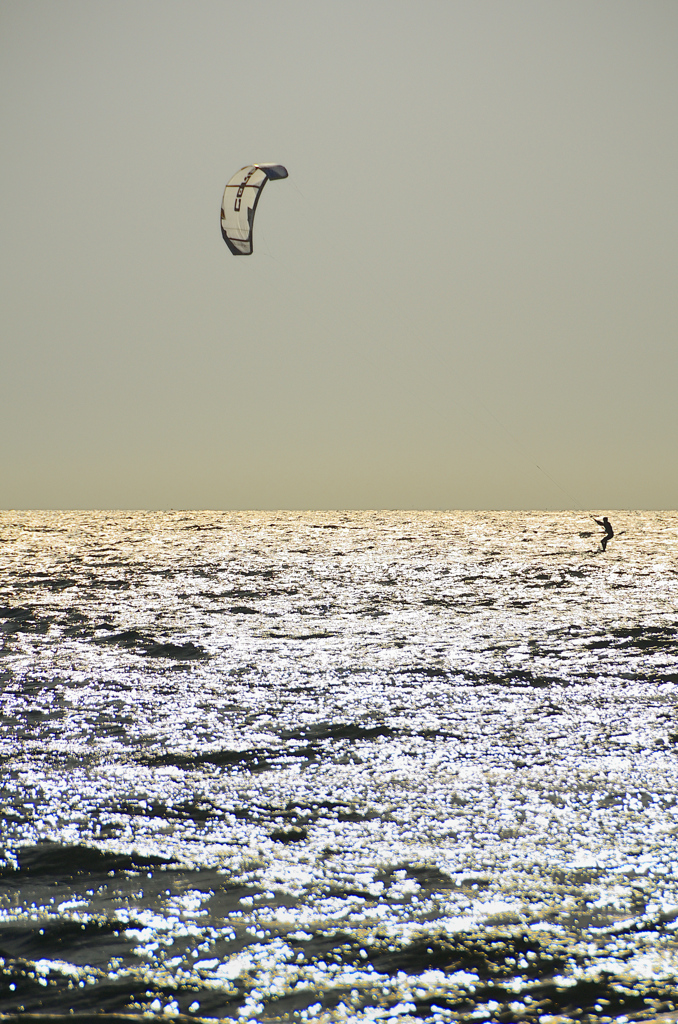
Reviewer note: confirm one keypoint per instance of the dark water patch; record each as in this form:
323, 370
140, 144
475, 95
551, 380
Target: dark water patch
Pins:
29, 687
45, 954
75, 615
181, 652
10, 817
341, 731
294, 834
342, 815
54, 937
139, 643
198, 526
129, 639
292, 819
497, 961
586, 1001
29, 623
647, 637
310, 745
54, 860
651, 924
320, 635
577, 922
251, 760
439, 734
76, 624
112, 584
514, 678
40, 529
301, 810
58, 584
488, 956
76, 632
17, 614
428, 671
289, 1009
667, 641
324, 609
185, 810
50, 997
431, 879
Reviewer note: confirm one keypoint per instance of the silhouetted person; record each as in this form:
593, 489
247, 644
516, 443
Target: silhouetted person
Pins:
609, 532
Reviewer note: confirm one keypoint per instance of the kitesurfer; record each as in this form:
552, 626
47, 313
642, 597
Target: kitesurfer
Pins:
607, 526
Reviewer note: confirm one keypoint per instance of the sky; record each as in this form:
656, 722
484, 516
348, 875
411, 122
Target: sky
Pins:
465, 295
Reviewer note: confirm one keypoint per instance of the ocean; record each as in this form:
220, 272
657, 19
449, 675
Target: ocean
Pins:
339, 766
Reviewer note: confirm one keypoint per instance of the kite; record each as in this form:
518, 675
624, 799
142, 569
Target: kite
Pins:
241, 196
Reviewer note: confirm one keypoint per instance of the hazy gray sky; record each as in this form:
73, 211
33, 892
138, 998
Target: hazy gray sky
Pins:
471, 271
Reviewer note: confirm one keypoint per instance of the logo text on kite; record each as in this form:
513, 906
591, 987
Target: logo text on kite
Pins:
238, 195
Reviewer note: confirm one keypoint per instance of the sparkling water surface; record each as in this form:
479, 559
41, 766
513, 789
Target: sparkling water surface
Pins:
339, 766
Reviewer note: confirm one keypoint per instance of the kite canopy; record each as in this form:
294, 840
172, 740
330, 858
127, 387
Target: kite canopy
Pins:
241, 196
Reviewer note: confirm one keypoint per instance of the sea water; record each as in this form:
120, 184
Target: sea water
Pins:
339, 766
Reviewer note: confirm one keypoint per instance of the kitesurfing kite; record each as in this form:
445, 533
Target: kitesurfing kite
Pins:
241, 196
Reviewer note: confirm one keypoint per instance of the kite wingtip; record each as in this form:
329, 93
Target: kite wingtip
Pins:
273, 171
